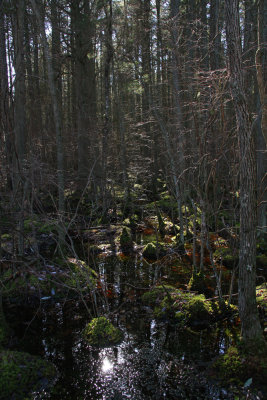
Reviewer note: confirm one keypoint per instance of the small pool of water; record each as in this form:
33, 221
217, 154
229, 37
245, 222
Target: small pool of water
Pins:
155, 360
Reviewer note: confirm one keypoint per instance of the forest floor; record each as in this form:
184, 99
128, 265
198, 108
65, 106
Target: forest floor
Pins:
129, 266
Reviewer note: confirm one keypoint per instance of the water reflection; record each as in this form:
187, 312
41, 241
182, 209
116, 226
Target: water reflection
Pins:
154, 360
107, 366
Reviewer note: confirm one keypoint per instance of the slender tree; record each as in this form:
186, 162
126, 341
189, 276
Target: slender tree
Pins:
251, 328
56, 108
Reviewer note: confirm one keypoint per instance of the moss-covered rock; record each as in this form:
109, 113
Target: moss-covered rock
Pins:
230, 367
78, 275
156, 295
101, 332
246, 361
154, 250
126, 241
198, 311
197, 282
229, 259
161, 224
150, 251
68, 274
186, 308
21, 374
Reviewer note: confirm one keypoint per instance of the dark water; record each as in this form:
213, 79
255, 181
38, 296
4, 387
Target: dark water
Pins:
155, 360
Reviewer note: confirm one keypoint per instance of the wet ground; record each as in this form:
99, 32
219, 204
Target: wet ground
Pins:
156, 360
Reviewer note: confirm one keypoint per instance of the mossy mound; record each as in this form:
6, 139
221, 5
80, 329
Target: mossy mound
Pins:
241, 364
157, 294
197, 282
101, 332
79, 276
65, 275
21, 374
154, 250
229, 260
126, 241
186, 308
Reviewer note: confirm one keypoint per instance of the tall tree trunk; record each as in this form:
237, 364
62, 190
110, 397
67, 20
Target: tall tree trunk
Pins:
107, 100
84, 86
215, 35
20, 89
56, 109
259, 66
251, 328
5, 118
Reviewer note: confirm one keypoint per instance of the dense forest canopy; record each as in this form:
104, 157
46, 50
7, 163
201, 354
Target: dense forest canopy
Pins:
113, 110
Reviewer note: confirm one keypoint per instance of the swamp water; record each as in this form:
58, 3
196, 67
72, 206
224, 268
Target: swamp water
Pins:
156, 360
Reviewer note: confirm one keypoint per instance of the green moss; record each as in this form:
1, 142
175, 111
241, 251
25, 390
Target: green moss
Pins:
101, 332
186, 308
6, 236
79, 275
246, 361
229, 260
157, 294
197, 282
150, 251
198, 309
22, 374
35, 223
230, 367
126, 240
153, 250
161, 224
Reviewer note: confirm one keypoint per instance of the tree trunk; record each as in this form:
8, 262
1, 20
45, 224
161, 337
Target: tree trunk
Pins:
5, 119
259, 66
56, 110
251, 328
20, 89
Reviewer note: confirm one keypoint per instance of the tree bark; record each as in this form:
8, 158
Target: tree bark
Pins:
260, 73
5, 118
20, 88
56, 109
251, 328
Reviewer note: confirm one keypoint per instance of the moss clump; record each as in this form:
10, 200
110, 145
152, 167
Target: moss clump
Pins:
198, 311
229, 259
261, 295
126, 240
101, 332
230, 367
156, 295
153, 250
186, 308
150, 251
246, 361
197, 282
22, 374
79, 275
161, 224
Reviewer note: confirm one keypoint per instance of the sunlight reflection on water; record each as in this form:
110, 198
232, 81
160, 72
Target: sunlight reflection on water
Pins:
107, 366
